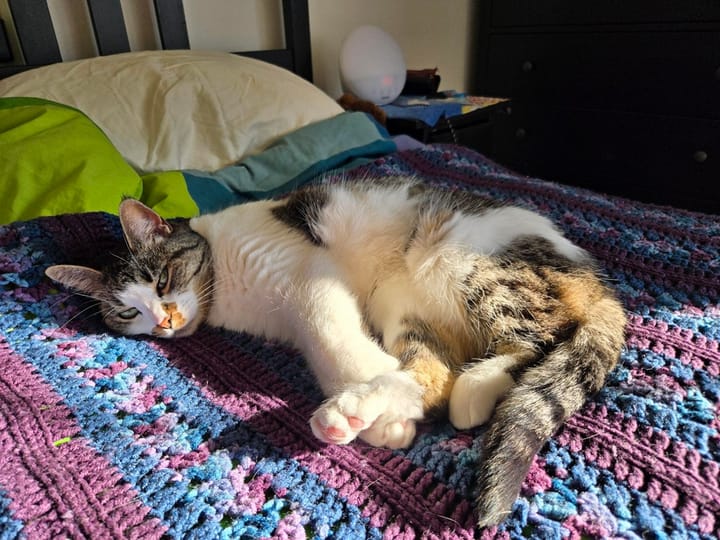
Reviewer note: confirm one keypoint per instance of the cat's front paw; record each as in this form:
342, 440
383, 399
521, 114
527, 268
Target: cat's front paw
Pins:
381, 412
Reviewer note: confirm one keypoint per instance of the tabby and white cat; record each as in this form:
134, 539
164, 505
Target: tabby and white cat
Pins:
405, 300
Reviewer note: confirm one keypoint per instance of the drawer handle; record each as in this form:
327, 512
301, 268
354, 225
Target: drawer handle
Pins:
700, 156
528, 66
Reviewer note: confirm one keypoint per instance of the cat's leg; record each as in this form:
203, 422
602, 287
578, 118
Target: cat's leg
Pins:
427, 364
330, 330
349, 364
383, 410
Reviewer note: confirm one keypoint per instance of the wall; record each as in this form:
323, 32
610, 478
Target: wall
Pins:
431, 33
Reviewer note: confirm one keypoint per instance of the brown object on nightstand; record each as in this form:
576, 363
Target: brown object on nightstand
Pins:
350, 102
473, 129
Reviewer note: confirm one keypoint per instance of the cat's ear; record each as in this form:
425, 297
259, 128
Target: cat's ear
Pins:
141, 225
80, 278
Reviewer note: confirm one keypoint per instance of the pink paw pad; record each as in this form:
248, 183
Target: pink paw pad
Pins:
334, 433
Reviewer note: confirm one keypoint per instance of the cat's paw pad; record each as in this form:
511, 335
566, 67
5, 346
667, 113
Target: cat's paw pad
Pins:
342, 417
390, 432
382, 412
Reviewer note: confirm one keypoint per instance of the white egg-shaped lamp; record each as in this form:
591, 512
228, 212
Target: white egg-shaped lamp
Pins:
372, 66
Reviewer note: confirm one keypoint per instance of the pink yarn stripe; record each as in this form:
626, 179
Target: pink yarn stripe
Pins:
61, 490
391, 488
697, 351
631, 451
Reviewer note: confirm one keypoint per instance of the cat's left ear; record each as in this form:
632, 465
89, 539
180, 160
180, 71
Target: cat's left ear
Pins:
81, 278
141, 225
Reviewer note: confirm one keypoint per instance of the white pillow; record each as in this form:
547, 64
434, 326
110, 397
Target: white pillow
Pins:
166, 110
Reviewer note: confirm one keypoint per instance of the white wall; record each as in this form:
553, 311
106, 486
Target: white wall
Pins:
431, 33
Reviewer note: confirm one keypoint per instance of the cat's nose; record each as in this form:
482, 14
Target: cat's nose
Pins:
166, 322
171, 318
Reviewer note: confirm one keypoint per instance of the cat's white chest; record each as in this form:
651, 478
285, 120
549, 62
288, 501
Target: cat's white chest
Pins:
255, 262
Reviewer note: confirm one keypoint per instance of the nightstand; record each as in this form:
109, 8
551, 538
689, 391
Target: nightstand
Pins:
473, 129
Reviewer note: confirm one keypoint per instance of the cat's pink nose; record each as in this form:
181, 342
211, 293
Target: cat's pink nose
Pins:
165, 323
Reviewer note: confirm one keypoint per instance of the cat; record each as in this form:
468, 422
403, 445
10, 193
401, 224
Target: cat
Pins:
407, 301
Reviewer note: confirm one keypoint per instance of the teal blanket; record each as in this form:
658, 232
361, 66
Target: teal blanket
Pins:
345, 140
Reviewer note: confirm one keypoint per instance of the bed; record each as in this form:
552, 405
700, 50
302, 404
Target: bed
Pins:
103, 436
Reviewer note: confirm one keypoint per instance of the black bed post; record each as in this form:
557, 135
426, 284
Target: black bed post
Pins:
171, 24
5, 52
108, 26
35, 31
296, 19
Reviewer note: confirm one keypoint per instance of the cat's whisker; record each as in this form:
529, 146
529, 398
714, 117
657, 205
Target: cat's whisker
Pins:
448, 518
64, 298
206, 295
77, 315
89, 296
210, 287
120, 258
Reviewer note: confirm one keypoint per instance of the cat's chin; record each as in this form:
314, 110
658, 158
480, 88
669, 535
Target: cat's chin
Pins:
164, 333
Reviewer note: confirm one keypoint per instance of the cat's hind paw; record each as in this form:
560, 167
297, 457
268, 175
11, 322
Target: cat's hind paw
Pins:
381, 412
477, 390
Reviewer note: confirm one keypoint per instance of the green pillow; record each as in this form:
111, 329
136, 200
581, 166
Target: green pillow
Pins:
55, 160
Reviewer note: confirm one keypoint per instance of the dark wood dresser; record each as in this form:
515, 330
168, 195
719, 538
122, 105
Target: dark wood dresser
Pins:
622, 96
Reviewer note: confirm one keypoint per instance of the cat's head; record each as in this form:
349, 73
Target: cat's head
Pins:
162, 287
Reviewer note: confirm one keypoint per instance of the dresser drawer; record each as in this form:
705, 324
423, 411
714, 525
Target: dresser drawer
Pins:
626, 71
666, 160
564, 12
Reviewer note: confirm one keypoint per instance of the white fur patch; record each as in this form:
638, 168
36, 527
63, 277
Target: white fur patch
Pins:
477, 390
497, 228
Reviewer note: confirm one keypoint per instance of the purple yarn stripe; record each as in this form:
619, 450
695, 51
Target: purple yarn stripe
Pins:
648, 460
389, 485
59, 488
698, 349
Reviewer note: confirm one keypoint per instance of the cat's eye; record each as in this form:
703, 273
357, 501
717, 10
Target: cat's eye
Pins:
163, 282
129, 313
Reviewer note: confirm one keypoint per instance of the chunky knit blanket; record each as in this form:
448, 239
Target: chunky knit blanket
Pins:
207, 437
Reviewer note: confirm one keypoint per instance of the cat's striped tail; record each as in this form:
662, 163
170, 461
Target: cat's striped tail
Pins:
544, 396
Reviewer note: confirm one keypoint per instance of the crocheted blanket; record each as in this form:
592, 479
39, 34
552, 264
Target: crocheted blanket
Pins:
104, 436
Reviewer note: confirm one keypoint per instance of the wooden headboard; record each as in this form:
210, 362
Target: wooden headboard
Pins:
39, 43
